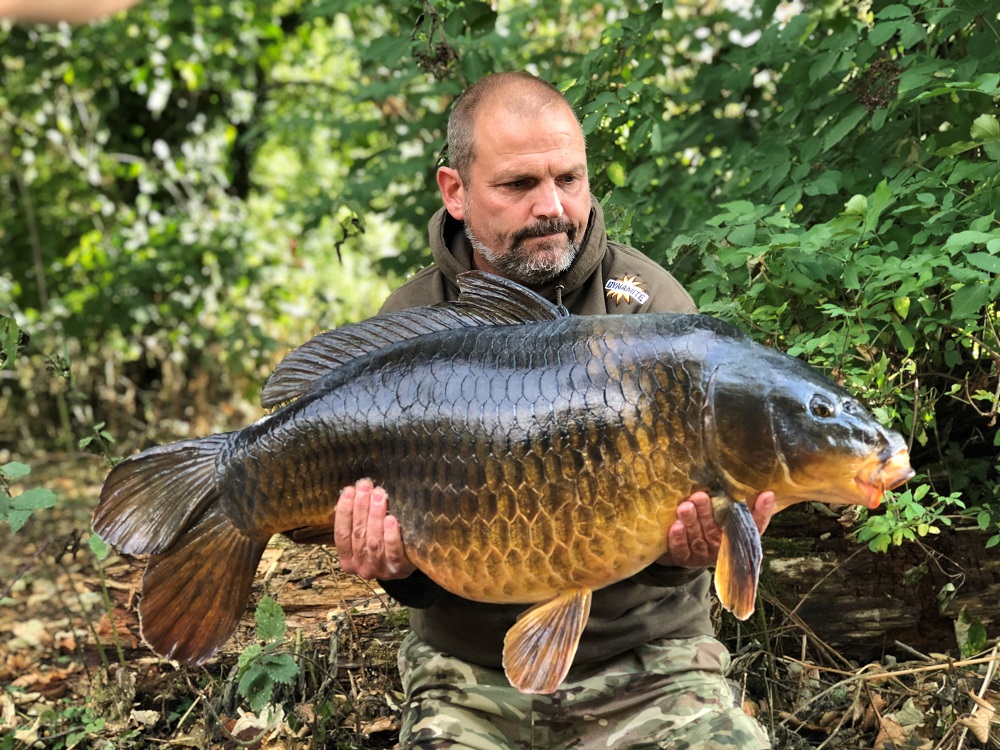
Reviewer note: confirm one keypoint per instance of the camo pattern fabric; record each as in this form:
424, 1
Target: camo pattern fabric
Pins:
665, 694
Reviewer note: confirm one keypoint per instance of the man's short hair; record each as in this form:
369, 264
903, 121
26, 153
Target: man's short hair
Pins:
519, 91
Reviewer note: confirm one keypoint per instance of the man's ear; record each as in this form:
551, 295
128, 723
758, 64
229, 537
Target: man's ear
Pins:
452, 192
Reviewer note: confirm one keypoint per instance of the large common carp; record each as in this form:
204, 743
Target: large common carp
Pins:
530, 456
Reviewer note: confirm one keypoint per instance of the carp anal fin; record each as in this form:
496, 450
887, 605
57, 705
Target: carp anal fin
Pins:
539, 649
313, 535
484, 300
148, 500
194, 594
738, 568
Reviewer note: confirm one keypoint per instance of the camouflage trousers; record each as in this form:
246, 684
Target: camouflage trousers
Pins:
666, 694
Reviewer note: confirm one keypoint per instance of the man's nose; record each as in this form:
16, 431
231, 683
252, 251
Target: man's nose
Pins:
547, 204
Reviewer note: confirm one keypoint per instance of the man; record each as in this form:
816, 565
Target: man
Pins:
648, 672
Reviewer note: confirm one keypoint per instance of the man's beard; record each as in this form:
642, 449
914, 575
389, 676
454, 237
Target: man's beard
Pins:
533, 267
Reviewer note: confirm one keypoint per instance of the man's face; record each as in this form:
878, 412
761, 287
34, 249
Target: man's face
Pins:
526, 201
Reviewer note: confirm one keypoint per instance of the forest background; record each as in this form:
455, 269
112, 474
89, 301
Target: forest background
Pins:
188, 190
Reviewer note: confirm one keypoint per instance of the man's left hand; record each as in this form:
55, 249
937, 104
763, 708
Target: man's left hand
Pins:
695, 537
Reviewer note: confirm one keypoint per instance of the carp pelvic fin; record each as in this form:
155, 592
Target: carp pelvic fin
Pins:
193, 595
539, 649
483, 300
738, 568
148, 500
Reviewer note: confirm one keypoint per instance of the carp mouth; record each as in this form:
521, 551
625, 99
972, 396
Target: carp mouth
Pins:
878, 475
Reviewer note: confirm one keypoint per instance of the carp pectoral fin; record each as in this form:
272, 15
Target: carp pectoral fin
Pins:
539, 649
738, 567
193, 595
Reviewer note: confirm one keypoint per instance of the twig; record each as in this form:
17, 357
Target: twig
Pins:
913, 651
801, 625
852, 677
864, 676
188, 712
994, 660
843, 717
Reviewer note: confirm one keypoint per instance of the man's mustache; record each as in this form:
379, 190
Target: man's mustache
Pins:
544, 228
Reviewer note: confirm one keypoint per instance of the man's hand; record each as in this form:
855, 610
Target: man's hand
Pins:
695, 538
368, 540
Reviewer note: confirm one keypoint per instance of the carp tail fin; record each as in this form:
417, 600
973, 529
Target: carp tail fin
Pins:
149, 500
483, 300
539, 649
738, 568
193, 594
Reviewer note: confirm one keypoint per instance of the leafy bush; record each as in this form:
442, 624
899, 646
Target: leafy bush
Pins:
858, 226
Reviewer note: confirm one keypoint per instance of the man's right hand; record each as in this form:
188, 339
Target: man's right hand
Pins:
367, 538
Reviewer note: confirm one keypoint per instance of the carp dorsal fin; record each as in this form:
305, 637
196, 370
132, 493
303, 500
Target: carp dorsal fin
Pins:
483, 300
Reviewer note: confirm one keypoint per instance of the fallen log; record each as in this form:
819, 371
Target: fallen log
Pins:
865, 604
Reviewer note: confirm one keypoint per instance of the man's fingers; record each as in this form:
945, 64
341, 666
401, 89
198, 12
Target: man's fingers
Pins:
709, 529
763, 509
677, 538
369, 541
343, 521
397, 563
359, 527
375, 525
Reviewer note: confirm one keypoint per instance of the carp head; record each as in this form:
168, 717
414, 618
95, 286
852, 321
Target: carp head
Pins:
774, 423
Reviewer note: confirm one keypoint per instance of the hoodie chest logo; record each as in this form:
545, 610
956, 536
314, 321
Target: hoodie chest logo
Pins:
627, 288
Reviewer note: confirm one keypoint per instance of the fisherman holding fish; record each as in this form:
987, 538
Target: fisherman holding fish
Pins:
648, 670
539, 472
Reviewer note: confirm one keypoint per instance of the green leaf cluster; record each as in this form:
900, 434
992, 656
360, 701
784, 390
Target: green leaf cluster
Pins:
970, 633
263, 666
912, 513
16, 510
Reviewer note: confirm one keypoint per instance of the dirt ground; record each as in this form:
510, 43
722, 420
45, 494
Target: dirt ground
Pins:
75, 673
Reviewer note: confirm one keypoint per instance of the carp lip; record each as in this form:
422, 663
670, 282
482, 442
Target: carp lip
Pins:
877, 476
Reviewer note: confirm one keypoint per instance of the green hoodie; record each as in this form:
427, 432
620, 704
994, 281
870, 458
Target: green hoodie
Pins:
659, 602
583, 292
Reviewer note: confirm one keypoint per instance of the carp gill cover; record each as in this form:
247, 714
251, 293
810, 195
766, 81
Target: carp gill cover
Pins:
530, 456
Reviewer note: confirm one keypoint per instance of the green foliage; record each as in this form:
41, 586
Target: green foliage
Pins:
150, 221
100, 438
63, 728
970, 634
10, 335
16, 510
262, 667
909, 516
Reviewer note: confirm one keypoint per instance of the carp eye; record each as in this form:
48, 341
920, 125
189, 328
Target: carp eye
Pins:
821, 408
